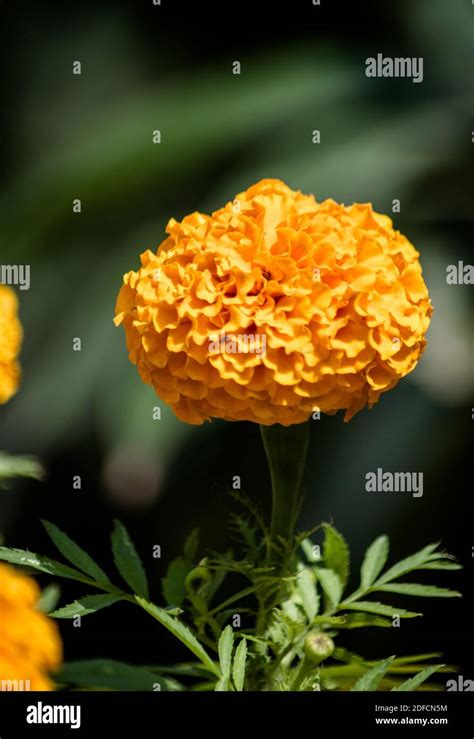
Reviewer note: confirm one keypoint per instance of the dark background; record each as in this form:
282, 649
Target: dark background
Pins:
64, 137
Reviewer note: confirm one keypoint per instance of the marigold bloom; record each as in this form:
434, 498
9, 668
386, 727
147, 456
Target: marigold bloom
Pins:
336, 293
30, 646
10, 342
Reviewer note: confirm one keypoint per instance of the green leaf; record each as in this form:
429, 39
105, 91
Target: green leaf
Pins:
308, 548
238, 670
181, 632
336, 621
416, 658
374, 561
408, 564
414, 682
379, 608
127, 561
13, 466
225, 645
336, 553
425, 591
248, 535
77, 556
364, 620
351, 658
292, 612
191, 544
111, 675
204, 581
174, 583
86, 605
371, 679
331, 584
306, 589
49, 598
42, 564
441, 565
188, 669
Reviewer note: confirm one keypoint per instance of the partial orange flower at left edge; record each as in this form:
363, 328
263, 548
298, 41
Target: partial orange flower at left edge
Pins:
11, 335
30, 644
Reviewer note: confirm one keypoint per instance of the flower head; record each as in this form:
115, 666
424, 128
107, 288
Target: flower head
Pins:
30, 646
10, 342
318, 647
275, 307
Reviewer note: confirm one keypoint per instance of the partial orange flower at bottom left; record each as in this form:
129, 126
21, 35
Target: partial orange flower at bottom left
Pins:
30, 644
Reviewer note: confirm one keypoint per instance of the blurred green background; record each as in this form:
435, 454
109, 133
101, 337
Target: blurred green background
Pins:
63, 137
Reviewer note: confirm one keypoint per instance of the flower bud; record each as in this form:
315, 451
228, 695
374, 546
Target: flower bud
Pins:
318, 647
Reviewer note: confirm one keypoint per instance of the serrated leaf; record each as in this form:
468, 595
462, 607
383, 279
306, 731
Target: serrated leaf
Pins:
238, 670
225, 645
111, 675
408, 564
306, 589
174, 583
330, 584
374, 561
379, 608
74, 554
127, 560
248, 535
191, 544
425, 591
181, 632
336, 553
414, 682
86, 605
371, 679
277, 632
43, 564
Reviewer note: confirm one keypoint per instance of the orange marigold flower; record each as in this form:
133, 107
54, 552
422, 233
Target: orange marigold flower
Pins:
274, 307
10, 343
30, 645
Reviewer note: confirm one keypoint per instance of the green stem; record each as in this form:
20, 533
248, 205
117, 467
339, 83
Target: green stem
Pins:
286, 449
